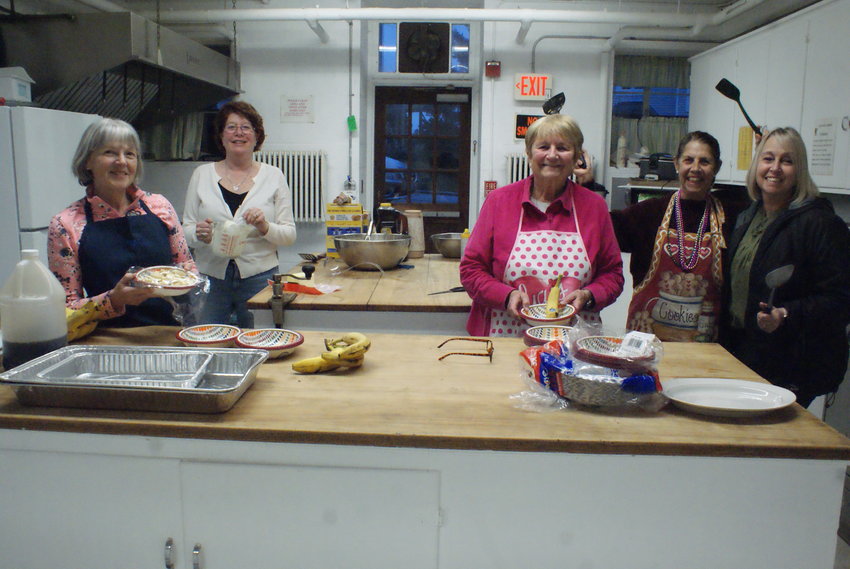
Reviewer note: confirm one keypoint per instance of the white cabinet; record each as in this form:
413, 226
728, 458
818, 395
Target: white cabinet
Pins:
710, 111
254, 515
87, 511
826, 112
792, 73
92, 511
760, 65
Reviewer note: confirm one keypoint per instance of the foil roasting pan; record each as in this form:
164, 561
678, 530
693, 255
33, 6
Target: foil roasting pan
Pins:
183, 380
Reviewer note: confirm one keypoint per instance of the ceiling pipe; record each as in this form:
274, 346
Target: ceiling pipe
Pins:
103, 5
524, 17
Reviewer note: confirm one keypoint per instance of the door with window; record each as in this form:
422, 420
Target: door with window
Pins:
422, 154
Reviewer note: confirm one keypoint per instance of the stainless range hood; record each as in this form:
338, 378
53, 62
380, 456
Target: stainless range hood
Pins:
118, 65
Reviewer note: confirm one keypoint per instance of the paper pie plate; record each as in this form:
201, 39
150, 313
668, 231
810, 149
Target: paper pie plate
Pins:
605, 351
277, 341
535, 315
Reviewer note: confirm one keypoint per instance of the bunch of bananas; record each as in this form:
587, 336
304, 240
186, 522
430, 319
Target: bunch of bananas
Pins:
347, 351
82, 321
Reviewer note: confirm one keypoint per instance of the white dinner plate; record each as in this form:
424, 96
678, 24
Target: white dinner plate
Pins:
726, 397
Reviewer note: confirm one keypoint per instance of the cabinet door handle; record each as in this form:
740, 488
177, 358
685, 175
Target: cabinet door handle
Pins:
196, 556
169, 553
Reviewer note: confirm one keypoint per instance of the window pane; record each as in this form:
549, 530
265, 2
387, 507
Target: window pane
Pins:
396, 157
669, 102
448, 120
421, 153
422, 120
628, 102
447, 188
387, 47
421, 188
460, 48
395, 187
397, 120
448, 150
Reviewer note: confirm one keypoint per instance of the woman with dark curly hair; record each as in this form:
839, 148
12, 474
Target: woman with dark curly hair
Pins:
238, 189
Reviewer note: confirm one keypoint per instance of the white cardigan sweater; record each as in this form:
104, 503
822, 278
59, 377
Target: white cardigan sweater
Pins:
270, 193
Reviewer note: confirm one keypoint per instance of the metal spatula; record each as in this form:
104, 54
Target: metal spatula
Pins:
775, 279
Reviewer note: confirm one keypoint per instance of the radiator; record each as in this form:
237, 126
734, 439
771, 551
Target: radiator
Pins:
305, 171
517, 167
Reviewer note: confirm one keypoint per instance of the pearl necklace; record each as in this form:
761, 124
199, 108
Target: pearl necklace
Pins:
234, 184
689, 264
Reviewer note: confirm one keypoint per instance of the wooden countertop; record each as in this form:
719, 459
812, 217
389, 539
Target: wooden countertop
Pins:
396, 290
404, 397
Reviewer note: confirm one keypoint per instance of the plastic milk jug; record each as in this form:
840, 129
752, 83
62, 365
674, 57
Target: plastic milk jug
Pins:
32, 312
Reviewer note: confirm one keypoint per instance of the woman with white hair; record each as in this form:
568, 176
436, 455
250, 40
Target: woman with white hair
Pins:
800, 342
536, 230
92, 243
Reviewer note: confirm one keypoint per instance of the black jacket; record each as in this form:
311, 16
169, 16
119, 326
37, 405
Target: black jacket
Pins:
808, 352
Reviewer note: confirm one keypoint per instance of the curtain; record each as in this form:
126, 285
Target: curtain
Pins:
651, 71
650, 133
177, 140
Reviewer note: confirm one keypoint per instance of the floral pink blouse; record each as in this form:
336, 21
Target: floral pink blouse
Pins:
66, 228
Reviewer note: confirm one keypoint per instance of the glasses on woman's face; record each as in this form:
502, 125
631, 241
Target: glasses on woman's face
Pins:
243, 128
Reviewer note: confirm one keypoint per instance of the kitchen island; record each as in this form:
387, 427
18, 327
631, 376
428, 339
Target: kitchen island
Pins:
395, 300
414, 462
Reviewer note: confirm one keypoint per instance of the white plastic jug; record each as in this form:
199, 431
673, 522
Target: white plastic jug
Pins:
32, 312
229, 238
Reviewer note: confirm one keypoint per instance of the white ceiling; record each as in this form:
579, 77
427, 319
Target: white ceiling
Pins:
685, 21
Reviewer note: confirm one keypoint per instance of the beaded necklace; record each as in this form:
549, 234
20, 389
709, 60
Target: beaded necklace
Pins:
689, 264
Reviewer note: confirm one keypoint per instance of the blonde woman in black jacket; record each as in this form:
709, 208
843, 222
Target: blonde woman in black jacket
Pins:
799, 343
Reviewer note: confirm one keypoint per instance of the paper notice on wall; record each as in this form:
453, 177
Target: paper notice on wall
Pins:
745, 148
823, 147
296, 108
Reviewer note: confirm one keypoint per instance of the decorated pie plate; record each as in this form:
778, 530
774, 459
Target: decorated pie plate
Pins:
167, 280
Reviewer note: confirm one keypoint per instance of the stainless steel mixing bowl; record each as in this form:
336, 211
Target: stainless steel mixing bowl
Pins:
383, 249
448, 244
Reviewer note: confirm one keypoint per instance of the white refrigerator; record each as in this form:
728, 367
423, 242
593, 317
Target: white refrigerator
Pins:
36, 149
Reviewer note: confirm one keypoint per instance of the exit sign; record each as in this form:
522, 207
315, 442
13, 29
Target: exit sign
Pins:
532, 87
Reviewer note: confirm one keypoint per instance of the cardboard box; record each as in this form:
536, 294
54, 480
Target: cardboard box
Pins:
15, 84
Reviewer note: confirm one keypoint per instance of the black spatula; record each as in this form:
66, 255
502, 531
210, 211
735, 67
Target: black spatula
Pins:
728, 90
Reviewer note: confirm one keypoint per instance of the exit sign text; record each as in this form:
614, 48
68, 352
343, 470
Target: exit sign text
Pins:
532, 87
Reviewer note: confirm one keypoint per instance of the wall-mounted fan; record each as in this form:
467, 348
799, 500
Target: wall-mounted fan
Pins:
423, 47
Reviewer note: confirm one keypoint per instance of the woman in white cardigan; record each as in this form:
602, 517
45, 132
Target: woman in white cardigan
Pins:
229, 190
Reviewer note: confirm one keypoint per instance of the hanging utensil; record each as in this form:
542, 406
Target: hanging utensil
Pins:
728, 90
775, 279
453, 289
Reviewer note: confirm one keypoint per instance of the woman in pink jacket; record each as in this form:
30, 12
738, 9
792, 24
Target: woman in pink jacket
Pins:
530, 232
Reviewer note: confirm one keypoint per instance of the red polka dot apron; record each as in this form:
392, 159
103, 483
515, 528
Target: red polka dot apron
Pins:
536, 260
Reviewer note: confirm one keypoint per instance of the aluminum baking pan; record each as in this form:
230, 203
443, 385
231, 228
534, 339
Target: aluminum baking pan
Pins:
114, 366
229, 373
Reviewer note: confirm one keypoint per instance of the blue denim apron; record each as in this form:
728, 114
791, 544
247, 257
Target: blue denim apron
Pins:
111, 246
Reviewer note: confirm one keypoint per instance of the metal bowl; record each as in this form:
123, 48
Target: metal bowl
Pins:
385, 250
448, 244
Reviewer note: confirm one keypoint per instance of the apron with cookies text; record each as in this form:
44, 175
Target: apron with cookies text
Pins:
674, 304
